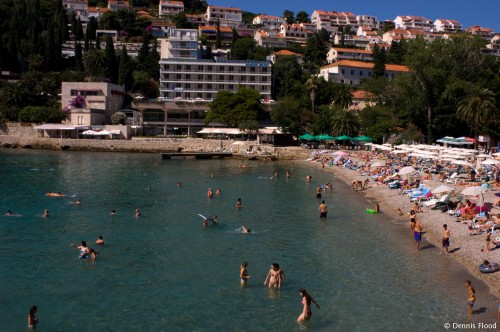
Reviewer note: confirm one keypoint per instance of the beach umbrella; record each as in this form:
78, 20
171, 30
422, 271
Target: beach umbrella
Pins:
363, 139
406, 170
442, 189
490, 162
343, 138
462, 162
340, 153
324, 137
474, 191
398, 151
383, 147
378, 164
307, 137
482, 155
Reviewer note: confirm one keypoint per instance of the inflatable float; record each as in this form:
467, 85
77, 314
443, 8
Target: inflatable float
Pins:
371, 211
490, 268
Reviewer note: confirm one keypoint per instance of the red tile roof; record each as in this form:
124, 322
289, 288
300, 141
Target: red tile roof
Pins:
367, 65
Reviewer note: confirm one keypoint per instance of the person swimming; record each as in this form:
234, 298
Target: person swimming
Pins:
137, 212
112, 213
239, 205
100, 241
244, 273
9, 213
84, 250
46, 213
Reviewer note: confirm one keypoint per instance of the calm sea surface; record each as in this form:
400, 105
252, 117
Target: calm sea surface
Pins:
164, 271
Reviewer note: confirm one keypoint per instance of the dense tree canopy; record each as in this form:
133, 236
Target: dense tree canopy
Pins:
235, 109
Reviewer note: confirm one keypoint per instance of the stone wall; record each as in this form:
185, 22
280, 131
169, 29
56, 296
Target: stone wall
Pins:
17, 135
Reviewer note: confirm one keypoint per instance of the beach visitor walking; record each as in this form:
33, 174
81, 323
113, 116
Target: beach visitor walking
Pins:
413, 220
446, 239
488, 240
244, 273
306, 302
323, 209
417, 233
32, 319
471, 297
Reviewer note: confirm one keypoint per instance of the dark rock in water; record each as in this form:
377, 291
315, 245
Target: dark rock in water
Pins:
27, 146
7, 145
65, 147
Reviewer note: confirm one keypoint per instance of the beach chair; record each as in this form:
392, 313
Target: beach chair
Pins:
417, 194
424, 197
414, 190
452, 178
443, 204
433, 202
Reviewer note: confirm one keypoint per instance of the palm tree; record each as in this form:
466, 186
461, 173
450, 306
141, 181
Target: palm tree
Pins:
476, 108
342, 95
345, 122
312, 85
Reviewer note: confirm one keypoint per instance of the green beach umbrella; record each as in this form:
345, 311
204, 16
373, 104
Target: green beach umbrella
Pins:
343, 138
363, 138
324, 137
307, 137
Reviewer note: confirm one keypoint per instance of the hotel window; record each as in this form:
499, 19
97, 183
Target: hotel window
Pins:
264, 70
200, 68
221, 77
179, 67
352, 71
200, 86
342, 71
231, 78
209, 86
360, 73
221, 68
188, 67
370, 73
188, 77
252, 69
231, 87
209, 77
252, 78
178, 76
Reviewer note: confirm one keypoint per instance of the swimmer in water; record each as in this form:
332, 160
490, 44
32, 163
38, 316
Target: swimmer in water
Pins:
9, 213
275, 276
93, 255
32, 319
308, 178
99, 241
149, 188
179, 184
218, 192
210, 193
137, 212
239, 205
78, 202
112, 213
245, 230
46, 213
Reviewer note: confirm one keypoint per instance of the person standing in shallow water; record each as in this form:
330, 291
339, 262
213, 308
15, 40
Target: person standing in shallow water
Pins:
32, 319
244, 274
239, 205
471, 297
323, 209
306, 302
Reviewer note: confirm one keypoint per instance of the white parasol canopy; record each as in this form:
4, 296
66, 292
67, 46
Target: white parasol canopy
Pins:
378, 164
490, 162
462, 162
474, 191
442, 189
407, 170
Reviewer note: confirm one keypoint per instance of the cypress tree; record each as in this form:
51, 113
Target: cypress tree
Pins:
97, 43
92, 28
78, 57
379, 62
110, 58
153, 63
79, 30
218, 37
86, 44
142, 56
125, 70
49, 48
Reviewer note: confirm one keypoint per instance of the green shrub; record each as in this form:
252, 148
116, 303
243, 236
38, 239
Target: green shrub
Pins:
40, 114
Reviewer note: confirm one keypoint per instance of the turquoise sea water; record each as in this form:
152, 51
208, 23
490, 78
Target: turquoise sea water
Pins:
164, 271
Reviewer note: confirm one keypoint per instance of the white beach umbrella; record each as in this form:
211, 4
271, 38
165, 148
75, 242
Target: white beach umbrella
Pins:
462, 162
378, 164
398, 151
490, 162
473, 191
482, 155
407, 170
442, 189
497, 154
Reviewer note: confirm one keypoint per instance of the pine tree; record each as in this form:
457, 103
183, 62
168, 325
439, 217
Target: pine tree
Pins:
78, 57
125, 70
110, 59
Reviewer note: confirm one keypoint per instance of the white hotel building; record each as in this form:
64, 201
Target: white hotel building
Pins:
189, 83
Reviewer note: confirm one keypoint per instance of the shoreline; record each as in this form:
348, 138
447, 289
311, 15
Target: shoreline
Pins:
465, 249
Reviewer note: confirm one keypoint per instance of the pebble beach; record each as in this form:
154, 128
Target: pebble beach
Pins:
467, 250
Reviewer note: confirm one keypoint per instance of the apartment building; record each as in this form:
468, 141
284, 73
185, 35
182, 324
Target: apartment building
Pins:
298, 57
97, 12
170, 7
367, 21
398, 34
269, 38
444, 25
353, 72
295, 32
331, 21
268, 22
210, 32
116, 5
482, 32
413, 22
78, 7
226, 16
337, 54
